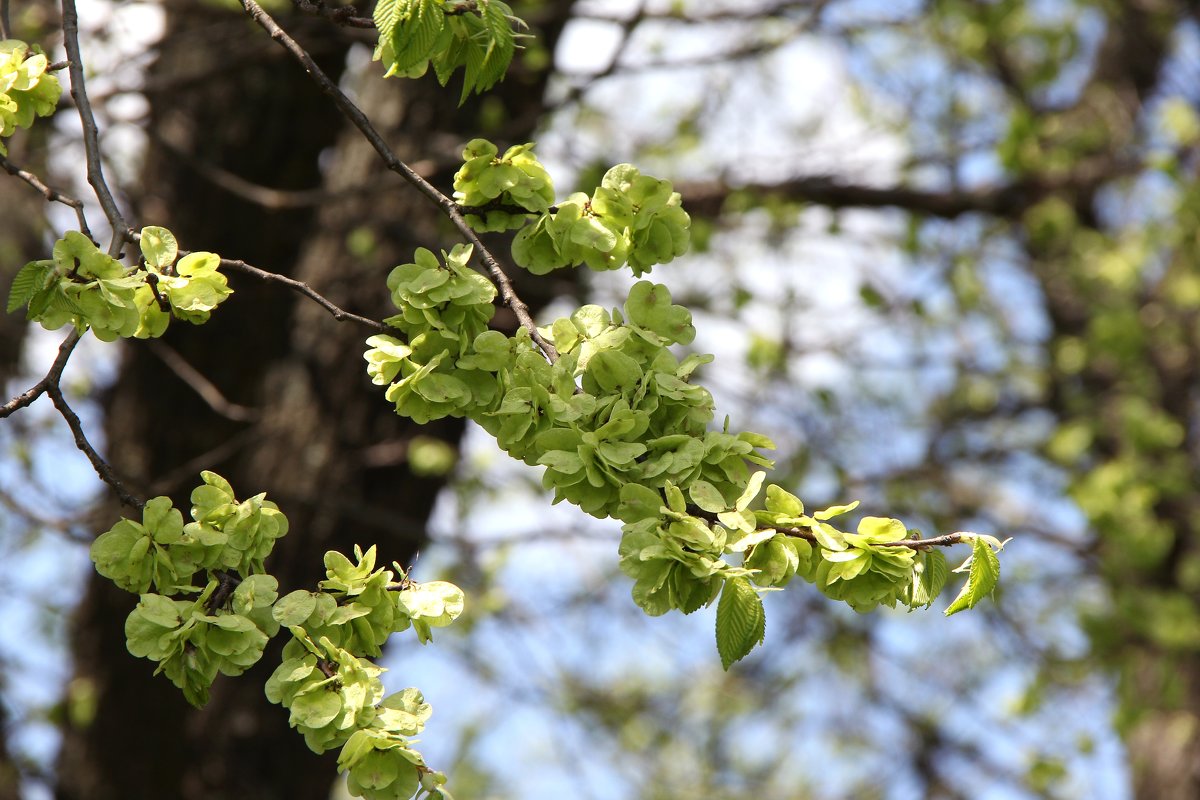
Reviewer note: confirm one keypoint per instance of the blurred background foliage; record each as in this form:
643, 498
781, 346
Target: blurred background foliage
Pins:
947, 259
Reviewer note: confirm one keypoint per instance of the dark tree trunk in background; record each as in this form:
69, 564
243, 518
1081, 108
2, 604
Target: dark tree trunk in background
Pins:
321, 441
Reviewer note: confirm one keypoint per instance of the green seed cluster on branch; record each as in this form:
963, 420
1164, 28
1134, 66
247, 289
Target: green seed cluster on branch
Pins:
224, 628
616, 407
629, 219
326, 680
333, 690
516, 179
83, 286
27, 90
446, 368
476, 35
616, 421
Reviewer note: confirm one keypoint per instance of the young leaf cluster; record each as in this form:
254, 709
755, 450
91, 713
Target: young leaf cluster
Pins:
27, 90
616, 421
516, 179
196, 631
676, 549
326, 680
618, 408
476, 35
629, 219
83, 286
447, 365
331, 688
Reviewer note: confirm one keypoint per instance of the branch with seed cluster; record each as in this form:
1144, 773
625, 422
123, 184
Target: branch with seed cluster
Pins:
444, 203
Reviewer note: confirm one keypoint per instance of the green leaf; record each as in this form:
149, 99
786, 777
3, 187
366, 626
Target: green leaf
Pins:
28, 281
929, 579
751, 491
294, 608
881, 529
316, 709
706, 496
387, 13
741, 621
834, 511
675, 499
981, 580
783, 502
159, 247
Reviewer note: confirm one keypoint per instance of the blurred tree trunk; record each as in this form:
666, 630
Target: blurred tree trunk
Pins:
308, 428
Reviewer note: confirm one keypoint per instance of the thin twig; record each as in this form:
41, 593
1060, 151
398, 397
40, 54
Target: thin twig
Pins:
52, 377
340, 314
916, 544
102, 467
5, 25
265, 196
91, 134
809, 535
627, 28
176, 478
675, 15
303, 288
51, 195
342, 15
448, 206
66, 526
201, 385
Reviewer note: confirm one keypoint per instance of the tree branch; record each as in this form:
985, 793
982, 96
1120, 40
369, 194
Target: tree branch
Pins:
303, 288
52, 377
341, 15
447, 206
201, 385
91, 135
1003, 200
265, 196
916, 544
51, 195
102, 467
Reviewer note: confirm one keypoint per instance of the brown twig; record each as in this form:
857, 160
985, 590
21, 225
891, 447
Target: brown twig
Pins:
265, 196
52, 377
447, 206
916, 544
201, 385
809, 535
102, 467
91, 134
51, 195
341, 15
303, 288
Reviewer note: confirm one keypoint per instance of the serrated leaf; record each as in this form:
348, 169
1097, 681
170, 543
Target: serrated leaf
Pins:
741, 621
415, 37
27, 282
981, 579
927, 585
386, 15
